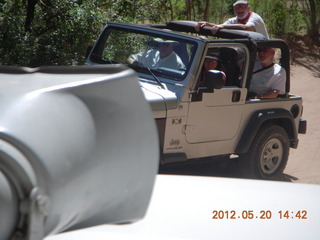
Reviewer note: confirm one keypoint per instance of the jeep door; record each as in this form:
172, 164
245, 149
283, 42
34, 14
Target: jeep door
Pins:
216, 116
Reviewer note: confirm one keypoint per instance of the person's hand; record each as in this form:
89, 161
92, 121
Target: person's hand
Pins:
200, 25
216, 28
132, 61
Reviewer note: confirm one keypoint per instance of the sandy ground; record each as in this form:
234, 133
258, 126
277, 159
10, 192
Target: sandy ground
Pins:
304, 162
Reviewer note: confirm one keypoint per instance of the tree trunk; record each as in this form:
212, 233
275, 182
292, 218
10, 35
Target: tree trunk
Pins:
313, 18
30, 7
206, 11
188, 9
171, 9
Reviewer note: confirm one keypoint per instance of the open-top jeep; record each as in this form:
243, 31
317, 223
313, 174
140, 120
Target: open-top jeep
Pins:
216, 120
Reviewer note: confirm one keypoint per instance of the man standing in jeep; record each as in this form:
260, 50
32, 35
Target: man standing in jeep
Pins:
245, 20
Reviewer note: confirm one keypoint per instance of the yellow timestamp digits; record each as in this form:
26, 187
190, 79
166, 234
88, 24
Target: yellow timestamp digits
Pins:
263, 214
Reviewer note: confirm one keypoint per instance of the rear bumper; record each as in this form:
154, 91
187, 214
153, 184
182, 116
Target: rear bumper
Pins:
302, 126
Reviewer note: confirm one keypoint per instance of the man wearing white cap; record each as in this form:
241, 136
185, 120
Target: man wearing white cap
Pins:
245, 20
164, 56
269, 78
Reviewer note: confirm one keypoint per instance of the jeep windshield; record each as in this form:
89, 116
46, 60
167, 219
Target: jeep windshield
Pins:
152, 56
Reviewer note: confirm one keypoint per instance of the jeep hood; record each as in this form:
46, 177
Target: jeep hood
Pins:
160, 99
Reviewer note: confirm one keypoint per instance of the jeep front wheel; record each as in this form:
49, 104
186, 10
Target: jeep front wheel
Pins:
268, 154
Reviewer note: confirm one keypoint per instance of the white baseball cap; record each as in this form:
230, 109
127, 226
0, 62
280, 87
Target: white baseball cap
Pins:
240, 2
160, 40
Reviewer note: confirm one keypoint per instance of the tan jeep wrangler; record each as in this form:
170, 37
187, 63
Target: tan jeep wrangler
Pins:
215, 119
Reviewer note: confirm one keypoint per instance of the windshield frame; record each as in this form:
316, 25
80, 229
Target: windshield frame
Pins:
163, 73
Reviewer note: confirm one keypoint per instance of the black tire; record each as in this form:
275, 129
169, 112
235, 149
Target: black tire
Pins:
268, 154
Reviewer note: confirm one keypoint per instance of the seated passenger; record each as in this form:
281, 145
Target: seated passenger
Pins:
211, 62
269, 78
164, 56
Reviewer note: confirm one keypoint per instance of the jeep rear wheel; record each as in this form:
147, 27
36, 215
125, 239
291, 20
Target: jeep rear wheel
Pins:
268, 155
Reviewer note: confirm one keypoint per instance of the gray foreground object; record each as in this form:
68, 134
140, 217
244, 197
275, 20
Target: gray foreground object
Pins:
78, 147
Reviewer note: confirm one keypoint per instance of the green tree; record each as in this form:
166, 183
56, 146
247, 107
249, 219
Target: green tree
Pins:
57, 32
278, 18
52, 32
311, 11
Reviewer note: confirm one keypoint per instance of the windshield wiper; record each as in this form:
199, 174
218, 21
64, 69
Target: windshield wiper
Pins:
151, 71
156, 78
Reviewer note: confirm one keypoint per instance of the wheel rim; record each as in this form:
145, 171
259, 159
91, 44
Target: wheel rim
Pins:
271, 156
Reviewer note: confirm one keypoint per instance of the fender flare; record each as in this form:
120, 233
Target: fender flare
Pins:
280, 117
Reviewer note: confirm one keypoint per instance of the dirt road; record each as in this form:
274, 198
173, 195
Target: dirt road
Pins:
304, 162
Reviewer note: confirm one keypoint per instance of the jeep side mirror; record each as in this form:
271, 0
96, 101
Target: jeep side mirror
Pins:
215, 79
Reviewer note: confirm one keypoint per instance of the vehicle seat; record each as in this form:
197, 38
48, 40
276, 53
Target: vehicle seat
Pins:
181, 50
229, 62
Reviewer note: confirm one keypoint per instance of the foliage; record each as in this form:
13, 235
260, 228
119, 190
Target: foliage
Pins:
295, 19
311, 12
57, 32
278, 18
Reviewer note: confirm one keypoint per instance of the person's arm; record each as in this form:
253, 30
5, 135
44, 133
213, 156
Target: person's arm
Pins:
200, 25
269, 94
135, 58
278, 86
248, 27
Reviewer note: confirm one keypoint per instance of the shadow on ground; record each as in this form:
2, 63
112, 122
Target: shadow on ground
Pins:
211, 168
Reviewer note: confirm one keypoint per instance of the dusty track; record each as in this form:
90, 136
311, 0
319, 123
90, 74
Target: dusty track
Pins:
304, 162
